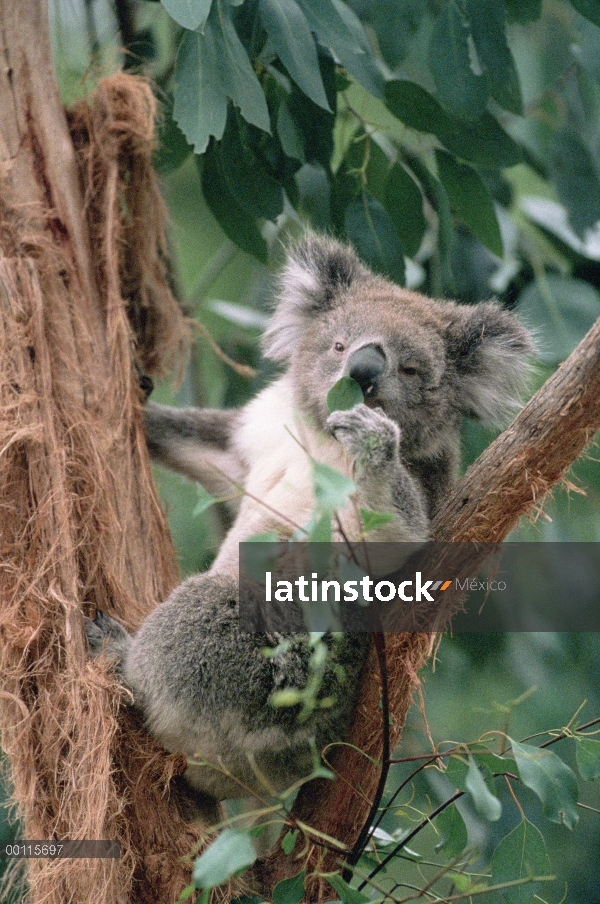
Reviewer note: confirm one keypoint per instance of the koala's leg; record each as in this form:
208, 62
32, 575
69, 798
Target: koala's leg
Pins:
372, 441
196, 442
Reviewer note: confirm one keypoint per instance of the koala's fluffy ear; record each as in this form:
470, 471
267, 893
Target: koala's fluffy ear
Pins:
489, 351
318, 270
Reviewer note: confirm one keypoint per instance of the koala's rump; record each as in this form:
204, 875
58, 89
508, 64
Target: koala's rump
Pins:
205, 691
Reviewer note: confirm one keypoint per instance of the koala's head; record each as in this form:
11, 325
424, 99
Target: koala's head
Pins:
425, 363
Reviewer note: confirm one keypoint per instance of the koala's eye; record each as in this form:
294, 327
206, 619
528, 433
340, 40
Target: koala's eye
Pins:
339, 347
409, 371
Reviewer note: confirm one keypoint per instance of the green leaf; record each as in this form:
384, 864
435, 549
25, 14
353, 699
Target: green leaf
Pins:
173, 148
247, 177
371, 231
332, 489
590, 9
339, 29
232, 218
461, 90
456, 772
560, 310
587, 751
191, 14
487, 804
346, 893
238, 79
344, 395
205, 501
404, 204
576, 179
290, 35
228, 855
524, 10
492, 763
438, 197
373, 520
470, 200
290, 891
520, 855
484, 142
200, 105
288, 842
314, 123
487, 22
453, 830
260, 554
289, 134
551, 779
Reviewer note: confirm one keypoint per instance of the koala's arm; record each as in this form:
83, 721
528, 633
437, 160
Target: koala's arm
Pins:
372, 441
198, 443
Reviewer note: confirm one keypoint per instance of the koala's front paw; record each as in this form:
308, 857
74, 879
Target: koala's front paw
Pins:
105, 635
369, 436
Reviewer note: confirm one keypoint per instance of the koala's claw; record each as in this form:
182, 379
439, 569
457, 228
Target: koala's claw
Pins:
102, 631
368, 435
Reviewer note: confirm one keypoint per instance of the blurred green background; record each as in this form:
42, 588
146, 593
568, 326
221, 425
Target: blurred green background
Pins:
460, 152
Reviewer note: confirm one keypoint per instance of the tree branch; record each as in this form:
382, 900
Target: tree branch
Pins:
511, 478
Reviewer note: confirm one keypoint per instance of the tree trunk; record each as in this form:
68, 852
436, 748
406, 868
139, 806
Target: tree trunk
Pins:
80, 519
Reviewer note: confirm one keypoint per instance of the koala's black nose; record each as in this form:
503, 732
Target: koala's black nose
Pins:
366, 365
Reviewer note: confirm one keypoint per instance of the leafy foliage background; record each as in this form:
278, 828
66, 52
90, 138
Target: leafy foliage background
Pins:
456, 143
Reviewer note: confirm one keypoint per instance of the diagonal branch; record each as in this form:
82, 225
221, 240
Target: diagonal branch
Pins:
511, 478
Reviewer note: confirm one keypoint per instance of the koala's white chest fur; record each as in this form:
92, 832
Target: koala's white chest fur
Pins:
279, 445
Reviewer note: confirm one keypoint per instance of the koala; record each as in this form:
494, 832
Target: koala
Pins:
202, 685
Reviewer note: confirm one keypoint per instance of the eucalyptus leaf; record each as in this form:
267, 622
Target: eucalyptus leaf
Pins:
290, 891
231, 216
471, 200
520, 855
337, 28
228, 855
461, 89
487, 804
590, 9
346, 893
200, 105
314, 123
587, 751
453, 830
191, 14
247, 177
173, 147
576, 178
483, 142
238, 79
374, 520
524, 10
288, 842
290, 35
560, 310
404, 204
205, 501
344, 394
487, 21
551, 779
332, 489
371, 231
